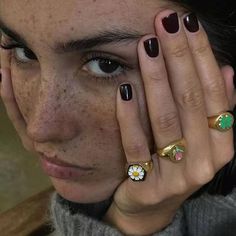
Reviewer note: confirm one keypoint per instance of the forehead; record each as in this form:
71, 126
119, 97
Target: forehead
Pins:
36, 19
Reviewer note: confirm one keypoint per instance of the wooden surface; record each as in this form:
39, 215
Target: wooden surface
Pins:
28, 218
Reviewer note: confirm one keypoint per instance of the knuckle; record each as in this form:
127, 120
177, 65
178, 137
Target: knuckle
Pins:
203, 175
156, 75
135, 148
167, 122
179, 51
215, 90
191, 99
202, 49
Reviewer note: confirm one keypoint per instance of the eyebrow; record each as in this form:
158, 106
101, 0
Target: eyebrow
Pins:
100, 39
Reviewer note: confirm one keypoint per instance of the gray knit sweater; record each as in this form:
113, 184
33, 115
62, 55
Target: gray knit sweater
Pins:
204, 216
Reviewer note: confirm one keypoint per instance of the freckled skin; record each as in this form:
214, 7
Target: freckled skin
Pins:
67, 112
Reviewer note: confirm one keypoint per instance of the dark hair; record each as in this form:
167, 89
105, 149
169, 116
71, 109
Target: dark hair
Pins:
218, 17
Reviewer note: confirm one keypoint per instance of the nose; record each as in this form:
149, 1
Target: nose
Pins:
50, 118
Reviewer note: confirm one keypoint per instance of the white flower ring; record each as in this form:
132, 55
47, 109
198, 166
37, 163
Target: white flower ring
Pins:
136, 172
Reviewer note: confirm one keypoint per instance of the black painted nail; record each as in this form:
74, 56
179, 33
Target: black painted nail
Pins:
171, 23
191, 23
126, 92
0, 76
151, 47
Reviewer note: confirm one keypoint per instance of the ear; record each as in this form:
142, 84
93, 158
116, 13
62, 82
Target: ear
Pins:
228, 75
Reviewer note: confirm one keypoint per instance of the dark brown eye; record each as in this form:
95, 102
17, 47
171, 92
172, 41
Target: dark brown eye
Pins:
24, 54
30, 54
104, 68
108, 66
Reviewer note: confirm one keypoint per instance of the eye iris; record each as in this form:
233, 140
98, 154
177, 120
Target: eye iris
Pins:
108, 66
29, 54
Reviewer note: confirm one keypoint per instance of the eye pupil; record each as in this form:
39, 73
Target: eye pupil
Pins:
108, 66
29, 54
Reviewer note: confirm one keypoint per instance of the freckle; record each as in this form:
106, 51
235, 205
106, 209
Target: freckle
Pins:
64, 150
50, 16
64, 90
72, 28
32, 19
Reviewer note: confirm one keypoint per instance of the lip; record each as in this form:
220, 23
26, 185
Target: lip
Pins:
62, 170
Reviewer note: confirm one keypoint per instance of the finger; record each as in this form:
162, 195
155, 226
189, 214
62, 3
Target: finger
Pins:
133, 137
162, 109
12, 109
207, 66
188, 96
213, 85
183, 78
161, 106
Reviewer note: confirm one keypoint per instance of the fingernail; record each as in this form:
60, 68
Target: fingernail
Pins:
191, 23
151, 47
171, 23
126, 92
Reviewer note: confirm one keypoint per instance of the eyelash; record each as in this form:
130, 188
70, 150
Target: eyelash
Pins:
93, 56
16, 45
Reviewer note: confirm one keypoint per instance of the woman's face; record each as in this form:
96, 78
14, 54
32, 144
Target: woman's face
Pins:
65, 83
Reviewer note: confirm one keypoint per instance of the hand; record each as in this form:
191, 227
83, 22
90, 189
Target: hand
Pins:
12, 109
183, 86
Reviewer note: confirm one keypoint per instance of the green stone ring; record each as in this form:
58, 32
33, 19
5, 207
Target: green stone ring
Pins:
222, 122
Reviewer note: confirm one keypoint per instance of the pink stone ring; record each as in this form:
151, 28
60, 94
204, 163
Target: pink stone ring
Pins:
174, 151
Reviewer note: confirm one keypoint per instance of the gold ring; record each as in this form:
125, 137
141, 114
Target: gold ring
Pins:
222, 122
138, 171
174, 151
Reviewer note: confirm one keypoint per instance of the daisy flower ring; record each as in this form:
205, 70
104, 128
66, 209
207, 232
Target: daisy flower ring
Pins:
138, 171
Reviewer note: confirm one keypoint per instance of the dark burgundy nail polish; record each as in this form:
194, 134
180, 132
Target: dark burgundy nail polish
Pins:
151, 47
171, 23
191, 23
126, 92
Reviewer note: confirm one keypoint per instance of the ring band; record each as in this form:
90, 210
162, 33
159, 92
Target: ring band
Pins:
138, 171
222, 122
174, 151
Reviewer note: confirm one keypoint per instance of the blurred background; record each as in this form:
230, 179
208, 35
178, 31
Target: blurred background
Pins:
20, 173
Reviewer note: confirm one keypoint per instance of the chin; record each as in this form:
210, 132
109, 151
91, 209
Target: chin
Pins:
86, 192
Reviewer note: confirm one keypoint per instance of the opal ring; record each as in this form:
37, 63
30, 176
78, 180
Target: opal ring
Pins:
174, 151
222, 122
138, 171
